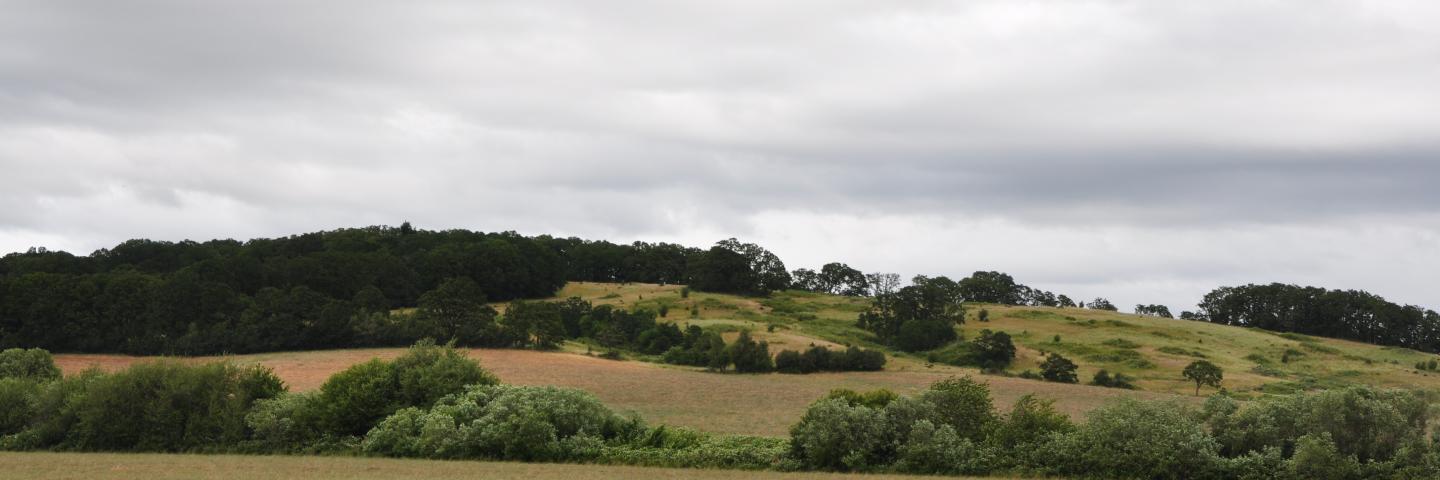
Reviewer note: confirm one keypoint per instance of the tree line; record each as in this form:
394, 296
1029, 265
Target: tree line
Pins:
323, 289
1348, 314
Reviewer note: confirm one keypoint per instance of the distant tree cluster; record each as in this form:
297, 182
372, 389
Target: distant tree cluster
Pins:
707, 349
1348, 314
821, 359
917, 317
833, 278
1154, 311
332, 289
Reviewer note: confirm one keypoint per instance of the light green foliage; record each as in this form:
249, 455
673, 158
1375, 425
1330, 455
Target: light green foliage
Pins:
1316, 458
32, 364
835, 435
1134, 439
1367, 424
939, 450
502, 422
963, 404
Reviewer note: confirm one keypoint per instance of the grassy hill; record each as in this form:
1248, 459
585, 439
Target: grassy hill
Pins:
1154, 350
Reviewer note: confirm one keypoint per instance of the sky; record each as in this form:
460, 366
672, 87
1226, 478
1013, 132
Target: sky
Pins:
1143, 151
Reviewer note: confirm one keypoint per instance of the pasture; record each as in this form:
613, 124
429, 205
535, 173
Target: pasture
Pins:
111, 466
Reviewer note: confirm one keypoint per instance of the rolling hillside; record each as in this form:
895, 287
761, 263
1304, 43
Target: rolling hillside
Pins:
1154, 350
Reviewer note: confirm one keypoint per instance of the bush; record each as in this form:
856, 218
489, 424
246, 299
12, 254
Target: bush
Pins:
288, 423
1056, 368
352, 401
992, 351
962, 404
683, 448
18, 402
1317, 458
161, 406
1133, 439
836, 435
876, 399
939, 450
923, 334
32, 364
1358, 421
1031, 422
1119, 380
502, 422
821, 359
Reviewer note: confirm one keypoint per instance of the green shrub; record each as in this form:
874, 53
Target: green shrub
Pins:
836, 435
876, 399
288, 423
939, 450
1030, 422
1129, 439
1317, 458
684, 448
1358, 421
963, 404
160, 406
1119, 380
502, 422
18, 403
354, 400
1057, 368
32, 364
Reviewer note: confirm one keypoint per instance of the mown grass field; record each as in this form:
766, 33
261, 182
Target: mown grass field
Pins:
109, 466
1154, 350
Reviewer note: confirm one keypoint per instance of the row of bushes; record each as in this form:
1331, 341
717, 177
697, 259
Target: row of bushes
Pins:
952, 428
433, 402
821, 359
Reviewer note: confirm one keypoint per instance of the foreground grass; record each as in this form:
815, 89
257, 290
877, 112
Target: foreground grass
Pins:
98, 466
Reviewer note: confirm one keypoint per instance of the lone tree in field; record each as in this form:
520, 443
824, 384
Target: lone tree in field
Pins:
1058, 369
1204, 373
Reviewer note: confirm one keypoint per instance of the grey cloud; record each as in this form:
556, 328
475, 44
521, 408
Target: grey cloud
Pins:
658, 119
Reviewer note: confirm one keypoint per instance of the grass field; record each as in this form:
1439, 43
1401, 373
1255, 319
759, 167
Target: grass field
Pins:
107, 466
1154, 350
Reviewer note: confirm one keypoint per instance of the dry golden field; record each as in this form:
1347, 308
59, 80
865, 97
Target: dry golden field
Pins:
110, 466
764, 404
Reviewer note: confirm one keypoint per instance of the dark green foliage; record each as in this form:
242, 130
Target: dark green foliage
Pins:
1119, 380
1103, 304
457, 310
924, 334
28, 364
541, 325
833, 278
992, 351
1360, 422
748, 356
352, 401
1348, 314
1202, 372
742, 268
821, 359
161, 406
1154, 311
18, 401
918, 317
1057, 368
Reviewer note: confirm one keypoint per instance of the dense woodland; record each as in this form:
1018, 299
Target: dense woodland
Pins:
1348, 314
322, 289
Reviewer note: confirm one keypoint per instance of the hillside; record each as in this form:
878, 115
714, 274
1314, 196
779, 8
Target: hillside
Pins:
1154, 350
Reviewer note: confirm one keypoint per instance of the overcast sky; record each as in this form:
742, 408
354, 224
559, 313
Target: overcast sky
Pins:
1144, 151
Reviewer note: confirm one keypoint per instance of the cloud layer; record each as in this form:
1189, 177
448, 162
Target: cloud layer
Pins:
1145, 151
